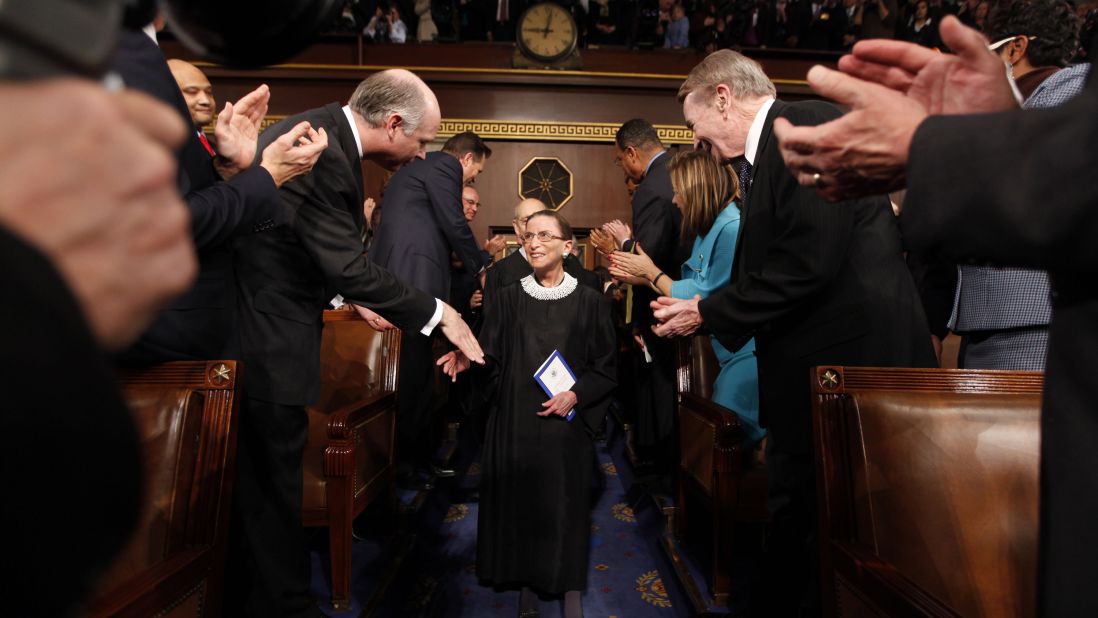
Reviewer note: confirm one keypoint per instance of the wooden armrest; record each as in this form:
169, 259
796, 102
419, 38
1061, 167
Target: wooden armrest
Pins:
341, 424
729, 428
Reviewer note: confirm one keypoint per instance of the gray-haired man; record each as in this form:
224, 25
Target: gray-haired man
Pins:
286, 277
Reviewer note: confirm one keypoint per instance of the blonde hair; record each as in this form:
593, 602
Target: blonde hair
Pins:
743, 76
705, 188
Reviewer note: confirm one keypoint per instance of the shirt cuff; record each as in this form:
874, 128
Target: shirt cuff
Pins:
435, 319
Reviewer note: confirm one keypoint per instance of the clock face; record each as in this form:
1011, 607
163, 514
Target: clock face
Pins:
547, 32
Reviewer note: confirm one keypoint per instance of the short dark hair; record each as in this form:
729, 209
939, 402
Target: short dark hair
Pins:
565, 227
638, 133
1052, 23
466, 142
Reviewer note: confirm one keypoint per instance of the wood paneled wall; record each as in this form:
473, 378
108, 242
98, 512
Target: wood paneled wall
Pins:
570, 115
599, 186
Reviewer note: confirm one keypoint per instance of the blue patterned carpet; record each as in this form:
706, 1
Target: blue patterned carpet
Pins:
428, 570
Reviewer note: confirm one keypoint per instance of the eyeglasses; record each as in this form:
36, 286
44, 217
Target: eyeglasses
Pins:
543, 236
997, 45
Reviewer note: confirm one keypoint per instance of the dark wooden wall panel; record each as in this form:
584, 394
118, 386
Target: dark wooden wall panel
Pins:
599, 185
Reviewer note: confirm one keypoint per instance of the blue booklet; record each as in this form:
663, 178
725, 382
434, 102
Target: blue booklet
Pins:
554, 377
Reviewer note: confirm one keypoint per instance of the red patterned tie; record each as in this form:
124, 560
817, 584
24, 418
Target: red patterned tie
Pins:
209, 149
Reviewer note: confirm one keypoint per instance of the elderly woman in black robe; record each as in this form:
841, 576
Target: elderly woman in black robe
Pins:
534, 525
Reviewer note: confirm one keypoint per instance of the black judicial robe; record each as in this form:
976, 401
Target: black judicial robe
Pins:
535, 499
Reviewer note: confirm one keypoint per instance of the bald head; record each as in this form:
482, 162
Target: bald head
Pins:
523, 210
197, 91
470, 202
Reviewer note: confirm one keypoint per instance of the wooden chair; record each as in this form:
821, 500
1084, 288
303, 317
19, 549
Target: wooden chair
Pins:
711, 465
928, 490
174, 566
348, 460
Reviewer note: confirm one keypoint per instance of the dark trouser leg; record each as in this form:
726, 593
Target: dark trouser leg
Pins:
267, 497
414, 387
657, 436
790, 578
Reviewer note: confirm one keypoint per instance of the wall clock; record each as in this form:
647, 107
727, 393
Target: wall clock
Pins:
547, 179
546, 36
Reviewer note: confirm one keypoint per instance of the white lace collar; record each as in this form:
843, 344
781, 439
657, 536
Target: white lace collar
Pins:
531, 287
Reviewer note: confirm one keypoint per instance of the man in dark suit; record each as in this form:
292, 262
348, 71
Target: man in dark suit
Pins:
227, 196
813, 284
423, 224
464, 285
963, 204
286, 277
639, 152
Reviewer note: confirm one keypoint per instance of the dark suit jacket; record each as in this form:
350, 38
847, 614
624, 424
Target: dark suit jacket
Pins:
63, 391
656, 226
197, 325
422, 223
1039, 212
814, 283
288, 274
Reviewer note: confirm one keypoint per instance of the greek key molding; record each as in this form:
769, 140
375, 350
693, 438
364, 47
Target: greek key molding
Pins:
535, 131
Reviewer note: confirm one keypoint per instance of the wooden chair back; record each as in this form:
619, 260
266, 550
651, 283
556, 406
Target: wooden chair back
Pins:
928, 490
186, 416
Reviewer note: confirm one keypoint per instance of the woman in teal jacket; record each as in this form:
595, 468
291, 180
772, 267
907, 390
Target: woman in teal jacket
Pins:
705, 192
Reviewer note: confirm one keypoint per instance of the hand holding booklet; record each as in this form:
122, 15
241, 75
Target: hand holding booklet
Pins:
554, 377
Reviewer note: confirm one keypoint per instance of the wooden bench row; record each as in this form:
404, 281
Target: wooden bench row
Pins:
186, 417
927, 482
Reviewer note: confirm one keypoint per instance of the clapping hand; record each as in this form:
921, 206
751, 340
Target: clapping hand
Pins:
636, 269
678, 318
619, 230
495, 244
294, 153
604, 243
891, 87
237, 132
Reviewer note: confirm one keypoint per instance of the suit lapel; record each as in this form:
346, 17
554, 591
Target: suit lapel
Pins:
764, 137
354, 157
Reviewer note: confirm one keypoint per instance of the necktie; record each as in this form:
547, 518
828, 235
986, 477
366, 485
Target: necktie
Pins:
209, 149
743, 170
503, 10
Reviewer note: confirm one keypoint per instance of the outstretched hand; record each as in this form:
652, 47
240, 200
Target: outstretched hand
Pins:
457, 331
453, 363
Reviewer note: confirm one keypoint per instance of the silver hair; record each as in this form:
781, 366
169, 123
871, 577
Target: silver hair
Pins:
391, 92
743, 76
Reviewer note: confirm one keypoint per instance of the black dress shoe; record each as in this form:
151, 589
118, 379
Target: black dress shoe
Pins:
440, 472
414, 482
